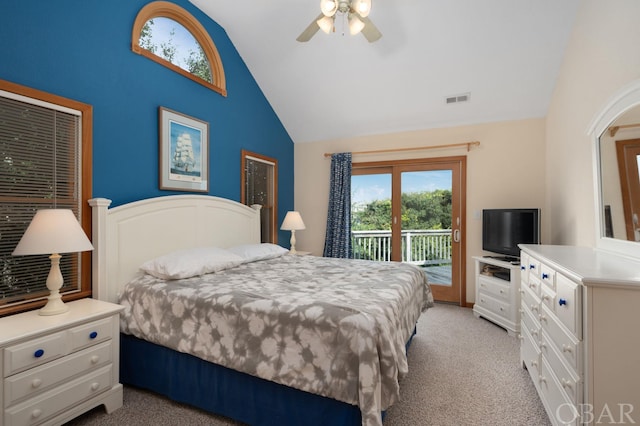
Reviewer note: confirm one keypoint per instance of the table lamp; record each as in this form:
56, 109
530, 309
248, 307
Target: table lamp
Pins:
53, 231
292, 222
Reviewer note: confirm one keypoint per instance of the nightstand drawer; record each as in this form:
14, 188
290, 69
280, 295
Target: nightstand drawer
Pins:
91, 333
41, 378
26, 355
38, 409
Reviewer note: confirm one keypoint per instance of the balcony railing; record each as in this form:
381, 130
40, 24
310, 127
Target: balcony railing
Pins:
420, 247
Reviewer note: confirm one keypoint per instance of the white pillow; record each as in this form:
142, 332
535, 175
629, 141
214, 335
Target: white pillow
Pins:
191, 262
254, 252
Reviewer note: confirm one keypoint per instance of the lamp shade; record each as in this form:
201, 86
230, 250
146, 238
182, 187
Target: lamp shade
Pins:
325, 23
362, 7
328, 7
355, 24
292, 222
53, 231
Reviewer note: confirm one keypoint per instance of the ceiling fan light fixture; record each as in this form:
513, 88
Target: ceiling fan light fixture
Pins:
355, 24
325, 23
328, 7
362, 7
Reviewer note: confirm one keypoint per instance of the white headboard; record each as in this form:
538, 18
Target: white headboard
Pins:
126, 236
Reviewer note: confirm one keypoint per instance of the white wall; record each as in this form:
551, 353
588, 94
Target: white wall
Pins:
602, 57
507, 170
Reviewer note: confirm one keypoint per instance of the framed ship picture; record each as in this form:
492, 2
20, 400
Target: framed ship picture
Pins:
184, 152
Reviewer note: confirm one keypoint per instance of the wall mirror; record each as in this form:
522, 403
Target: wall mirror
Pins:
616, 152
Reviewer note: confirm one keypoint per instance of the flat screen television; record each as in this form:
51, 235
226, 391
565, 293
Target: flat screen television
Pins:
504, 229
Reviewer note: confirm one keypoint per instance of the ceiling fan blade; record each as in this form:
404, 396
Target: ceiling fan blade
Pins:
310, 31
370, 32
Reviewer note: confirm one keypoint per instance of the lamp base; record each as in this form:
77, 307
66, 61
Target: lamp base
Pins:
54, 306
292, 242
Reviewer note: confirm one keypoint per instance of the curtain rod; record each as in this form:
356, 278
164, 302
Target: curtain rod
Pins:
420, 148
614, 129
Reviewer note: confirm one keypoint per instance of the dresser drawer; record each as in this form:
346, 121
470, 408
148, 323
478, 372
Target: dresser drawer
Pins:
530, 300
91, 333
34, 352
531, 324
534, 285
36, 380
555, 399
524, 267
566, 377
533, 266
548, 276
494, 287
567, 307
568, 345
548, 297
38, 409
530, 354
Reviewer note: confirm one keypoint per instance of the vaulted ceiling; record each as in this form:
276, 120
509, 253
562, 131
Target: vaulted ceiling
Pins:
505, 54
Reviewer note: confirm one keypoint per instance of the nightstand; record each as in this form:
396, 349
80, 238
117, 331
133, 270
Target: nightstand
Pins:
55, 368
301, 253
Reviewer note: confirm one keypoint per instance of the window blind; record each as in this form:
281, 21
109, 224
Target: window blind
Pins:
40, 152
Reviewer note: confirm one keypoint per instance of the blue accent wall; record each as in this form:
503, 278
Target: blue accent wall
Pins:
81, 50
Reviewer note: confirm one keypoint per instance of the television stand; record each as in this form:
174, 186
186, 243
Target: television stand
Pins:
497, 291
509, 259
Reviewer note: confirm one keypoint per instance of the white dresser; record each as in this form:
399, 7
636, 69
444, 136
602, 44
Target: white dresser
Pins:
497, 293
580, 333
57, 367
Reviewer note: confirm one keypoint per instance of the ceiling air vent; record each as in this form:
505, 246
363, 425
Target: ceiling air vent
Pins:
458, 98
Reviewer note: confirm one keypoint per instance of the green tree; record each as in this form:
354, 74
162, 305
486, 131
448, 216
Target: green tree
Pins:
169, 49
375, 216
146, 37
420, 210
198, 64
427, 210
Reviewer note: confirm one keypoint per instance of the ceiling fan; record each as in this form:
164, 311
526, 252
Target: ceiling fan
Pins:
355, 11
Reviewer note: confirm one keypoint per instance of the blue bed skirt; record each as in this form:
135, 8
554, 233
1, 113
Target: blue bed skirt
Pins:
187, 379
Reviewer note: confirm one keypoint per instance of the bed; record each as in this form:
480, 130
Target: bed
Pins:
262, 336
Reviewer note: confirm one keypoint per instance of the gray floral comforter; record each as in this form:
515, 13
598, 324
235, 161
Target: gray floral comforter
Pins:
332, 327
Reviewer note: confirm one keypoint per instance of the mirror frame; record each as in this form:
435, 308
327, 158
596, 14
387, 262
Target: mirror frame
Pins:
622, 101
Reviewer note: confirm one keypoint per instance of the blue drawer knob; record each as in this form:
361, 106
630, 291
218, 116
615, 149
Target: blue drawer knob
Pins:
522, 268
545, 276
562, 302
93, 334
38, 353
532, 266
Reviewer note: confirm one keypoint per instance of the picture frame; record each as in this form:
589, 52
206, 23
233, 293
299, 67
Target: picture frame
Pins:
183, 152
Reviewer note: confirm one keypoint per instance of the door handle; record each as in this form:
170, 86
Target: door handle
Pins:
456, 236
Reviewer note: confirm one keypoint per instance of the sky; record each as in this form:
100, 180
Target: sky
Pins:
181, 39
367, 188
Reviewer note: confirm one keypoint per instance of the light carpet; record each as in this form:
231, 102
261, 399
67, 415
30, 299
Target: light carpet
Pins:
462, 371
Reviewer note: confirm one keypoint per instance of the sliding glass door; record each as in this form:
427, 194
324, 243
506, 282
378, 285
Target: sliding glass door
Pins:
411, 211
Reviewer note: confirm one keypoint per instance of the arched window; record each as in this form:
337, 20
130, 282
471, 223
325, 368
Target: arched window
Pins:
169, 35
